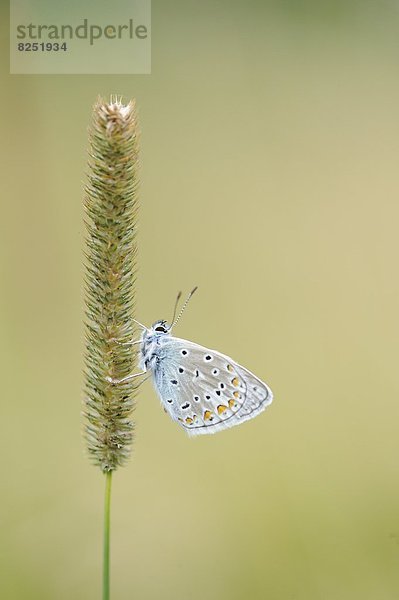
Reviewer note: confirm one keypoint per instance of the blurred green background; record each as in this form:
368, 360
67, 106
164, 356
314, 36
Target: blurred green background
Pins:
269, 179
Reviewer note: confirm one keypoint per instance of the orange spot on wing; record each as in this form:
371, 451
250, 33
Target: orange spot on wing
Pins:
208, 415
230, 368
232, 403
189, 420
235, 382
237, 394
221, 409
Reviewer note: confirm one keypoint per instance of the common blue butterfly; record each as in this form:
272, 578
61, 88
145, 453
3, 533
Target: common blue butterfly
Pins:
201, 389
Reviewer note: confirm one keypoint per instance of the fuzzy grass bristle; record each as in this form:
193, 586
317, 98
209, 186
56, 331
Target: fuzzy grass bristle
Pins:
111, 205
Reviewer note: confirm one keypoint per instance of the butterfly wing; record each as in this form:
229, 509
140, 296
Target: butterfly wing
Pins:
204, 390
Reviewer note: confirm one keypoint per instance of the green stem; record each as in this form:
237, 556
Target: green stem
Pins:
107, 514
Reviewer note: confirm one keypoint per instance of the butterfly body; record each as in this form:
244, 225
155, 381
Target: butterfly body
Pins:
201, 389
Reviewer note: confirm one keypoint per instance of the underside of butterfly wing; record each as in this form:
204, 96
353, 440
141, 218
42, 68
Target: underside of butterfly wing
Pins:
204, 390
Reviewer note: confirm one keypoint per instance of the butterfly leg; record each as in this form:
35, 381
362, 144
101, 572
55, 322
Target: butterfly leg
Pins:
124, 379
127, 343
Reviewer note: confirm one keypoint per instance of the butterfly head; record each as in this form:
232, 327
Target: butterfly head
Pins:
153, 334
151, 339
160, 328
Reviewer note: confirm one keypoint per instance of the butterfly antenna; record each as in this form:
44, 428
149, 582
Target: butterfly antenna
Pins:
175, 321
175, 308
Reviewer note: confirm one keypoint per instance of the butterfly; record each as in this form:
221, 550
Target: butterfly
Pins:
203, 390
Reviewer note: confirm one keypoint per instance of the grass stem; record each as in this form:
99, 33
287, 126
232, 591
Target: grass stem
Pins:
107, 523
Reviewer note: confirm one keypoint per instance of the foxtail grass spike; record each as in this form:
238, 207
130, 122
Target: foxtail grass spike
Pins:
111, 225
